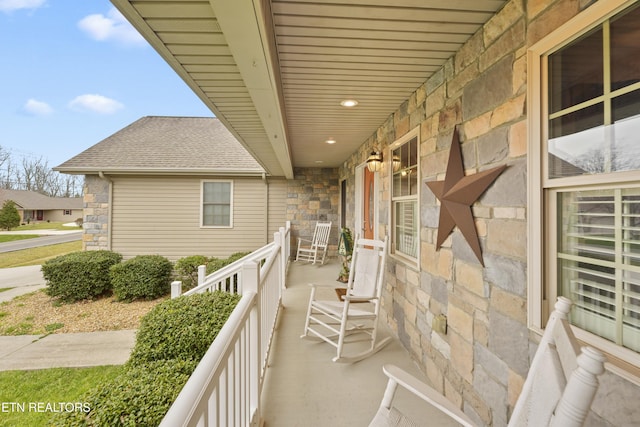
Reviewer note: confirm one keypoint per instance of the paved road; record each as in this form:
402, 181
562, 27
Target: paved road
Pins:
28, 279
53, 239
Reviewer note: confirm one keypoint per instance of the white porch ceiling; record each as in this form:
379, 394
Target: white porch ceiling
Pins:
275, 71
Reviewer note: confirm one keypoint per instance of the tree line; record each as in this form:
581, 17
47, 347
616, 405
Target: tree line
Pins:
34, 174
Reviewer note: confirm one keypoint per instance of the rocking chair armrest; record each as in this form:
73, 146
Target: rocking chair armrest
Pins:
328, 285
300, 239
425, 392
355, 298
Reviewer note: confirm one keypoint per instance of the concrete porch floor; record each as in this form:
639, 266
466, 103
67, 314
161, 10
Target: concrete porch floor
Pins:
303, 387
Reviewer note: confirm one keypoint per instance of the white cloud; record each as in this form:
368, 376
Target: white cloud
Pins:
113, 26
37, 108
11, 5
95, 103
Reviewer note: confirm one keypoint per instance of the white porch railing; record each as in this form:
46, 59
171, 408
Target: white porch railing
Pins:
225, 388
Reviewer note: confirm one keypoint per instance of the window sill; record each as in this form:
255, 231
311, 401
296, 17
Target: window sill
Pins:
409, 262
622, 362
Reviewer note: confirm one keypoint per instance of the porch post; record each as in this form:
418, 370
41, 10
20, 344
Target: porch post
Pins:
202, 273
251, 284
176, 289
279, 237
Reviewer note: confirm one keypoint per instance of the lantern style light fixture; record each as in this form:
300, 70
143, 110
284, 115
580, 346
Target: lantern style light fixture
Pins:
374, 162
395, 163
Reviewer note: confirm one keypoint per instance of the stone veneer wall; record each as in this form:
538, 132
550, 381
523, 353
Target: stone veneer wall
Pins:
313, 195
482, 360
95, 235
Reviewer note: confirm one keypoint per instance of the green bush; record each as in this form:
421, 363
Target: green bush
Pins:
9, 215
186, 269
171, 340
141, 277
216, 264
182, 328
140, 396
79, 275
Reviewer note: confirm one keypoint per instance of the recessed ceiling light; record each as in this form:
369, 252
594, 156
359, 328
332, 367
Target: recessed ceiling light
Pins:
330, 141
349, 103
319, 161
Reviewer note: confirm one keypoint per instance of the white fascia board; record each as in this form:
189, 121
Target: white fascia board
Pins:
244, 29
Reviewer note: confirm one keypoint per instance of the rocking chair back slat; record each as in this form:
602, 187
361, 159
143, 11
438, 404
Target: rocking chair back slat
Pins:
367, 273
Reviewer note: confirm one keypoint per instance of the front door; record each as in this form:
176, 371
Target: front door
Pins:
368, 209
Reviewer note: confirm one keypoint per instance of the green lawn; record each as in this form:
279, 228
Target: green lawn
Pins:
37, 256
45, 226
24, 395
13, 237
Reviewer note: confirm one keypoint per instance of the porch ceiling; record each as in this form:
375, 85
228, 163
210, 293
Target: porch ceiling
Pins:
275, 71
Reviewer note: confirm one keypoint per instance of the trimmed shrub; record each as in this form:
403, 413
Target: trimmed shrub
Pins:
186, 269
140, 396
141, 277
79, 275
182, 328
216, 264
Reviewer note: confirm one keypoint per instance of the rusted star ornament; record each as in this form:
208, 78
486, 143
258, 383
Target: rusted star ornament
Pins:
457, 193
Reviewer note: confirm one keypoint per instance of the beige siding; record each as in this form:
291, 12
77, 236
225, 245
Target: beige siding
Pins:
59, 216
161, 215
277, 205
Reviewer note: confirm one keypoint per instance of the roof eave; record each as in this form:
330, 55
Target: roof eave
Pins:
158, 171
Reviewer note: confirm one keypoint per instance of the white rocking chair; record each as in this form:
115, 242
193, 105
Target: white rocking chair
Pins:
558, 391
354, 317
316, 248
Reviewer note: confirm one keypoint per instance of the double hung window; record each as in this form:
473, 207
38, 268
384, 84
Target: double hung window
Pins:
217, 208
404, 196
590, 178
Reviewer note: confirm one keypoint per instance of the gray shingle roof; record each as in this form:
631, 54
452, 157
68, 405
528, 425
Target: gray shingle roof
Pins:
165, 145
32, 200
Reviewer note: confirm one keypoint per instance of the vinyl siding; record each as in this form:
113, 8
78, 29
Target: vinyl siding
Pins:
59, 216
161, 215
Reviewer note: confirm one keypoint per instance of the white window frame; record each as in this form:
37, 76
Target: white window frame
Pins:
405, 258
67, 212
202, 184
542, 286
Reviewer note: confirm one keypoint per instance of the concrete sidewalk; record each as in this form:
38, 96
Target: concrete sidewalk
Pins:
21, 280
26, 352
23, 352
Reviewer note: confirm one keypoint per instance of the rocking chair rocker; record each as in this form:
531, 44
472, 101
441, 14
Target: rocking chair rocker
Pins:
353, 318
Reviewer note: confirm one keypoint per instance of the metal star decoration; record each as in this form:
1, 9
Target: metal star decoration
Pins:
457, 193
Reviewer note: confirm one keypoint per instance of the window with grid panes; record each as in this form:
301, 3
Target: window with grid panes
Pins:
217, 203
404, 198
593, 178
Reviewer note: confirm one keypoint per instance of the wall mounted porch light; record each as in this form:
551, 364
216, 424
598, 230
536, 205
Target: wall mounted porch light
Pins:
395, 163
374, 161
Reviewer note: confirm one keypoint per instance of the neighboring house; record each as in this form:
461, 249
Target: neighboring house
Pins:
36, 207
534, 85
176, 186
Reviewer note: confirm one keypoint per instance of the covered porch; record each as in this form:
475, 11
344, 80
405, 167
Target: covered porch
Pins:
303, 387
315, 90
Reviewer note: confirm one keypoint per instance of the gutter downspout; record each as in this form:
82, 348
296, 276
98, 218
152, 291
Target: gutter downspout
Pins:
266, 208
109, 208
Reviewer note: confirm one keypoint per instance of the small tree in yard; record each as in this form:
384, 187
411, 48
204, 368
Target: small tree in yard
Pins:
9, 215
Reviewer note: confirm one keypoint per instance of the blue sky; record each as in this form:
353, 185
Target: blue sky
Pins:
74, 72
